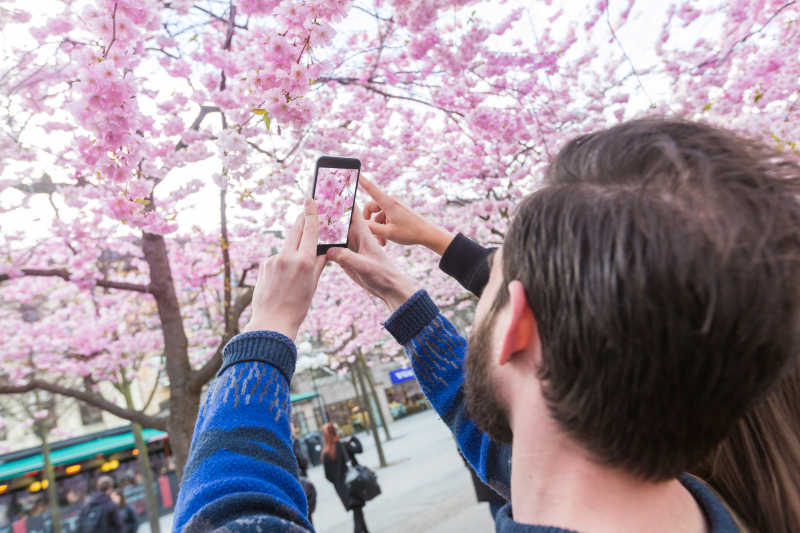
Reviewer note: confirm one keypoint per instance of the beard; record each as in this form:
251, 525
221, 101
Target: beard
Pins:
482, 403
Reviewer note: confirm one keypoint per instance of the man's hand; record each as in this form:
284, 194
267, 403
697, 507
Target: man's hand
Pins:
287, 281
369, 266
396, 222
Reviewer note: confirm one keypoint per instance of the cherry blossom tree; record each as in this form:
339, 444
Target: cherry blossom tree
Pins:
153, 151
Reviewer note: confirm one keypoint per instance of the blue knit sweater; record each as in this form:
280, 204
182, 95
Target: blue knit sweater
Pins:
241, 475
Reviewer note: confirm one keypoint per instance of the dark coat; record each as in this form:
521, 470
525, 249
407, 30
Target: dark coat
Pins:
130, 520
302, 458
112, 521
336, 469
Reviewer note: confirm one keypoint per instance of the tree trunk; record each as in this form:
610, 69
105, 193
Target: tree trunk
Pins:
144, 463
183, 404
149, 489
372, 425
371, 384
50, 475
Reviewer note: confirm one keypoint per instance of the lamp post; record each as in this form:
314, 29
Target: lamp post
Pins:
320, 400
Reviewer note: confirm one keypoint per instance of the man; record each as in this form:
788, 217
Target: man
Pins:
100, 514
642, 301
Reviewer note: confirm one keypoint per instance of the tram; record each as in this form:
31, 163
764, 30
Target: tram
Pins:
78, 462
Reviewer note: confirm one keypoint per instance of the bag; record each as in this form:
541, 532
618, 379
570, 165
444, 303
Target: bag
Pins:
92, 519
361, 482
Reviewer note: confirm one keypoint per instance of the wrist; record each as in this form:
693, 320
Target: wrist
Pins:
438, 239
401, 289
271, 325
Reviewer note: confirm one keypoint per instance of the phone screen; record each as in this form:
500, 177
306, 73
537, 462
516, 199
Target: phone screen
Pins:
335, 196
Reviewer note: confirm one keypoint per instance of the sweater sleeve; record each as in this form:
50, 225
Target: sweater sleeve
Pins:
437, 354
466, 261
241, 474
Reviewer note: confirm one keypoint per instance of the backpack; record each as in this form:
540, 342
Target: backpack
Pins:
92, 518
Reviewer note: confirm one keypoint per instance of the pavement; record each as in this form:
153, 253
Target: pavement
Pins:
425, 487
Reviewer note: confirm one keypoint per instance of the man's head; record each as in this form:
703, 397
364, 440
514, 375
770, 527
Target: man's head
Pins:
648, 295
105, 484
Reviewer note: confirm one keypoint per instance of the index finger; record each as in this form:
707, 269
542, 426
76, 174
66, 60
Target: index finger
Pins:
377, 194
308, 242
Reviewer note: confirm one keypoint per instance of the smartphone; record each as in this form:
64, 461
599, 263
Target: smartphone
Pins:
334, 191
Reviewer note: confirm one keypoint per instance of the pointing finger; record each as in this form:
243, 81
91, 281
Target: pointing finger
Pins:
378, 195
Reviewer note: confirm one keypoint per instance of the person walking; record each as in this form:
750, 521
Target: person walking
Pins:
335, 455
99, 514
302, 468
128, 515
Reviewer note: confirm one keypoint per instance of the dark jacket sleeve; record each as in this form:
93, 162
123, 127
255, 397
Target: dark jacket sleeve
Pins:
354, 446
466, 261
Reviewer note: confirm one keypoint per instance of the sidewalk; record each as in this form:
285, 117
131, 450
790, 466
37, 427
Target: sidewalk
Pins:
426, 487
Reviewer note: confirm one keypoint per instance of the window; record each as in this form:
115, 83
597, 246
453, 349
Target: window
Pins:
300, 422
318, 418
90, 414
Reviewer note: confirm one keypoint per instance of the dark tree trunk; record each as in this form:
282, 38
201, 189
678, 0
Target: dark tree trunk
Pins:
184, 400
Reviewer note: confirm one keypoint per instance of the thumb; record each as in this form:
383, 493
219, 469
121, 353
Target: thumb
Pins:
319, 264
348, 259
380, 230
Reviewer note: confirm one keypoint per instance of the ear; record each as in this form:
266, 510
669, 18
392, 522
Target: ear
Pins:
522, 328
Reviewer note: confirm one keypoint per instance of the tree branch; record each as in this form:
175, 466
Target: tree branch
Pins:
715, 61
224, 244
355, 81
113, 30
65, 275
204, 110
148, 421
201, 376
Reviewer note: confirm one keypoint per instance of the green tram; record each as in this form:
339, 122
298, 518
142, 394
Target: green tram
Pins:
78, 462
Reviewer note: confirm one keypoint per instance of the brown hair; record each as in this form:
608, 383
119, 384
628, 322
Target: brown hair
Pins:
757, 467
330, 436
661, 261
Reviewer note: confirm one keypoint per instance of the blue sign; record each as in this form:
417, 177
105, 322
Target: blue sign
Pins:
401, 374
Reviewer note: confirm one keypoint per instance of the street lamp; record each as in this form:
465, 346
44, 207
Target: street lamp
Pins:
307, 347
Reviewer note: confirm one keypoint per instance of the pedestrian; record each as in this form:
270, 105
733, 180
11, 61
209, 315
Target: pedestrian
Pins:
302, 467
129, 516
99, 513
335, 458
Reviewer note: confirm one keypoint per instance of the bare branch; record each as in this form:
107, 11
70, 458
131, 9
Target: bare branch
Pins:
148, 421
201, 376
204, 110
156, 49
113, 30
716, 61
65, 275
224, 245
627, 57
243, 277
355, 81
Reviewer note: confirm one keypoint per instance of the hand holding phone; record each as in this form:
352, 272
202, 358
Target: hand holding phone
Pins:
334, 192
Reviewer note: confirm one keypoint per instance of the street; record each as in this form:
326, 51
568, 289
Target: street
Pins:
426, 487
